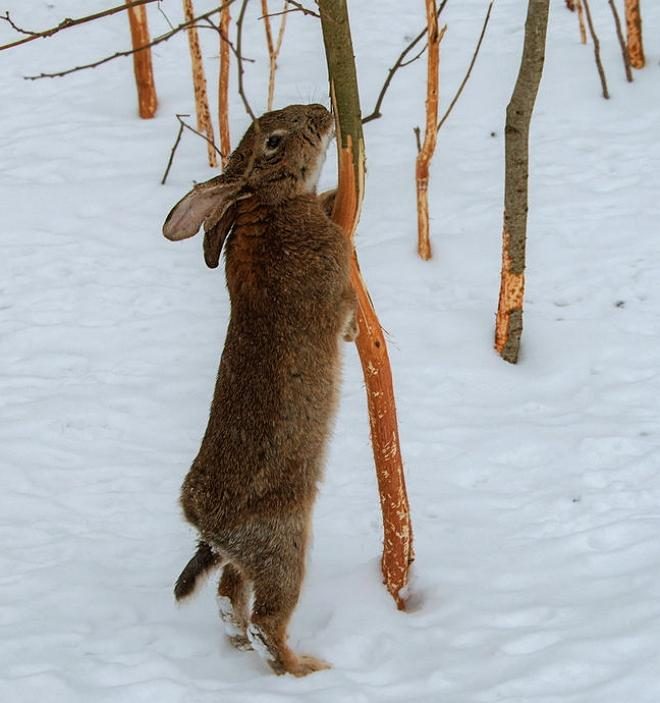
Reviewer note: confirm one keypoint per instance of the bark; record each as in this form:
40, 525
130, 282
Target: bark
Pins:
397, 548
431, 133
634, 26
596, 41
223, 86
622, 42
508, 328
204, 124
144, 76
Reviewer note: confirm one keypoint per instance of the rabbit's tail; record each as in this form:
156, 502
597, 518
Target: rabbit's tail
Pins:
202, 562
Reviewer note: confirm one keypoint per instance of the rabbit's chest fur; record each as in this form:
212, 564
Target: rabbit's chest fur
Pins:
287, 273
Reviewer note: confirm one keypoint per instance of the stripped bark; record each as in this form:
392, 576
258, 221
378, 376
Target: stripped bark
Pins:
596, 41
144, 75
273, 46
508, 328
634, 27
204, 123
431, 133
223, 86
622, 42
573, 5
580, 14
397, 548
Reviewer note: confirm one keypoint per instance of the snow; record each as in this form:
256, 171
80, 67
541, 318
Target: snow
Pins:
535, 489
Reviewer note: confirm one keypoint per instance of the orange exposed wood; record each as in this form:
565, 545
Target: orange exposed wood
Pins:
144, 77
580, 13
430, 135
508, 322
204, 124
634, 26
371, 346
374, 358
223, 86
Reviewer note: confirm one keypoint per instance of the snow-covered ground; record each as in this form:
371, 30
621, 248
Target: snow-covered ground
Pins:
535, 489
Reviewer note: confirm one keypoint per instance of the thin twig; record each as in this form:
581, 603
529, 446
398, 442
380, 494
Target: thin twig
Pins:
184, 125
273, 49
153, 42
418, 138
15, 27
297, 7
599, 65
174, 148
162, 12
376, 113
469, 71
622, 42
65, 23
210, 24
239, 61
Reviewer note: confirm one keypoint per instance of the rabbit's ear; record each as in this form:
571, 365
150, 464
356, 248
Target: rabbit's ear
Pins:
215, 237
206, 203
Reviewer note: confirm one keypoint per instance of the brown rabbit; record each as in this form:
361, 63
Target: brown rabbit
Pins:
251, 488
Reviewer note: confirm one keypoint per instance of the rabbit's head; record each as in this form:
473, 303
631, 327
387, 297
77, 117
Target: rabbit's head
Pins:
279, 157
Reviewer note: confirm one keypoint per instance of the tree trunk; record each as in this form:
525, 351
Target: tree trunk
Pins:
204, 123
518, 116
144, 76
634, 26
397, 548
223, 86
596, 41
622, 42
431, 133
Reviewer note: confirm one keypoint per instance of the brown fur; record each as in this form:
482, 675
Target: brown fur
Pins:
251, 488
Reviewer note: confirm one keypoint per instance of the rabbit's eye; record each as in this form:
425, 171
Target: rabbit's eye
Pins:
273, 141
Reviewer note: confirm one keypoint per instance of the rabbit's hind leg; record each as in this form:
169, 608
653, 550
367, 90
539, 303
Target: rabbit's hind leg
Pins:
277, 583
233, 606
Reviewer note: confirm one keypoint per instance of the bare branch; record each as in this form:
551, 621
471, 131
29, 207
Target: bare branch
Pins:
297, 7
128, 52
599, 64
376, 113
239, 62
174, 148
182, 126
469, 71
273, 48
65, 23
210, 24
622, 42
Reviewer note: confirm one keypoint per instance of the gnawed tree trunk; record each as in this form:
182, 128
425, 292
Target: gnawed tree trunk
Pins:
518, 116
144, 76
431, 133
223, 86
634, 26
204, 123
397, 548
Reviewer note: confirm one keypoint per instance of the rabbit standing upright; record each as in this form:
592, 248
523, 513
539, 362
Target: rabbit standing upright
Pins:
250, 490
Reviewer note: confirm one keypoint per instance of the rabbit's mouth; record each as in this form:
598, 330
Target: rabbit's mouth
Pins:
310, 172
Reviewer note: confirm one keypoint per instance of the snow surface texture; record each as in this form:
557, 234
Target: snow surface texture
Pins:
535, 489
